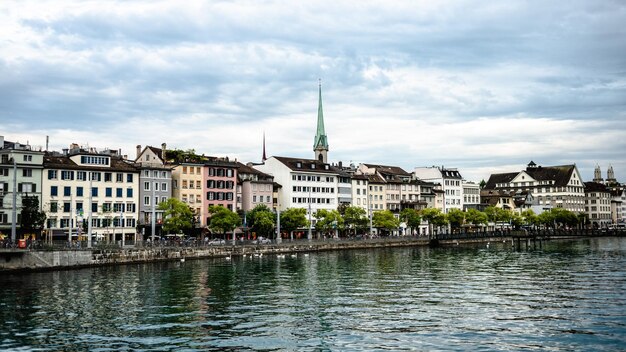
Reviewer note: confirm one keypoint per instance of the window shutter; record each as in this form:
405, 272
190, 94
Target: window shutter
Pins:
19, 187
34, 187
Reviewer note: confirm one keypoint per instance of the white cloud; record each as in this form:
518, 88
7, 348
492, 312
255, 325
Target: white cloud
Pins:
475, 85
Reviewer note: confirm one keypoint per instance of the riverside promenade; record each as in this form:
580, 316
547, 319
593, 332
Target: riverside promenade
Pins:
14, 260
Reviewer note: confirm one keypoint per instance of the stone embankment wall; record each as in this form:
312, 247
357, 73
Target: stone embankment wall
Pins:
16, 260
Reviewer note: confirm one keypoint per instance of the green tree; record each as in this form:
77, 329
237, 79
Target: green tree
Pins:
546, 218
412, 218
456, 217
516, 220
261, 220
177, 216
385, 219
529, 217
434, 217
293, 219
355, 218
223, 220
31, 218
328, 220
492, 213
476, 217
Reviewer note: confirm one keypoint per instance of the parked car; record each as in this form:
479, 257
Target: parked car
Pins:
217, 242
262, 240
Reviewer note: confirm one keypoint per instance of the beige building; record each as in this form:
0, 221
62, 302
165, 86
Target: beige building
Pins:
187, 187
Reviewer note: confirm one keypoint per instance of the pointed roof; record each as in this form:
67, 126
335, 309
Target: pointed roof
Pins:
264, 157
321, 141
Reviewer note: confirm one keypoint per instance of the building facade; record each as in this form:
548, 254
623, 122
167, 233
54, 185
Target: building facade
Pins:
253, 188
552, 186
155, 186
451, 185
83, 183
306, 183
598, 204
20, 176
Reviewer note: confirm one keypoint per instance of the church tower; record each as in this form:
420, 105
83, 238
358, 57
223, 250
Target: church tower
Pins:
610, 176
597, 175
320, 144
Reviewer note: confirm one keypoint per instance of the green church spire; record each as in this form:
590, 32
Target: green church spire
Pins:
321, 141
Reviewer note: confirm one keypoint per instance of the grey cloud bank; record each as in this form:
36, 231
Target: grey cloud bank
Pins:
481, 86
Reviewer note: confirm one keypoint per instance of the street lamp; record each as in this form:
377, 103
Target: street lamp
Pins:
310, 236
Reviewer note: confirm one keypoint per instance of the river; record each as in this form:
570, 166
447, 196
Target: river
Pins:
566, 296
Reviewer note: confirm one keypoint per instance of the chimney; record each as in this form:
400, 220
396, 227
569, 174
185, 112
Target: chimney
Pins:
138, 151
163, 149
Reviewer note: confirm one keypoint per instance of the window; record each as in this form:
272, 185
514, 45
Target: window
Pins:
54, 207
184, 169
146, 173
67, 191
146, 200
108, 192
119, 177
163, 186
106, 207
146, 186
119, 192
253, 199
163, 199
129, 193
96, 176
67, 175
94, 160
66, 207
28, 158
94, 207
156, 186
108, 177
54, 190
79, 191
94, 191
81, 175
129, 177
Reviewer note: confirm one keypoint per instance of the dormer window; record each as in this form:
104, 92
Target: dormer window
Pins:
312, 166
298, 164
326, 167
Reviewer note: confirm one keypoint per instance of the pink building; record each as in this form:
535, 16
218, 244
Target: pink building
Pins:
219, 185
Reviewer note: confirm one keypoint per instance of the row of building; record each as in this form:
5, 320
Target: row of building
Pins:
121, 194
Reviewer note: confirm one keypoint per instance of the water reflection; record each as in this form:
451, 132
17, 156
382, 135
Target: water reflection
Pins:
566, 296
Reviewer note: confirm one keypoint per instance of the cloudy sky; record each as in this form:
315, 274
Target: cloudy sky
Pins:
484, 86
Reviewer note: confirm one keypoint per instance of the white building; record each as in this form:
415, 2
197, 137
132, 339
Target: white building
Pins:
450, 181
551, 186
26, 181
308, 184
471, 195
80, 183
598, 204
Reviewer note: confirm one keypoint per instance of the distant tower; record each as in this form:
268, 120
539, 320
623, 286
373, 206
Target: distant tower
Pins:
320, 144
264, 157
597, 175
610, 175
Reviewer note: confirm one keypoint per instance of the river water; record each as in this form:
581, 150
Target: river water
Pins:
567, 296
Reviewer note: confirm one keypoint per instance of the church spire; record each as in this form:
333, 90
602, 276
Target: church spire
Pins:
597, 175
320, 144
264, 157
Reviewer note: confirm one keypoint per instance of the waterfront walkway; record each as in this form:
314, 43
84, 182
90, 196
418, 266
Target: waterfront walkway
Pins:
63, 256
